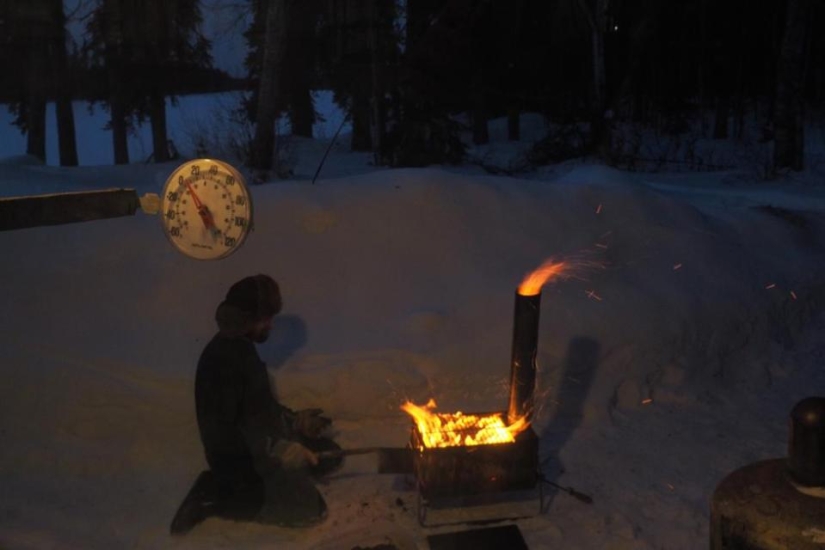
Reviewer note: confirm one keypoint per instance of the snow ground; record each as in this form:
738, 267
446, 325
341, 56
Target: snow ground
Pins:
660, 372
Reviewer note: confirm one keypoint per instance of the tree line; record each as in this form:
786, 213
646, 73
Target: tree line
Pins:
133, 55
412, 75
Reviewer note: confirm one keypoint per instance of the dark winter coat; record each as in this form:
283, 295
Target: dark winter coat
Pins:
238, 416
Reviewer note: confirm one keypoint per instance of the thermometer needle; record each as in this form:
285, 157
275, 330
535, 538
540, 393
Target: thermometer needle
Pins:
203, 211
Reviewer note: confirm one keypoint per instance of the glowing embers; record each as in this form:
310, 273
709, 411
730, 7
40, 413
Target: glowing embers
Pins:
459, 429
459, 471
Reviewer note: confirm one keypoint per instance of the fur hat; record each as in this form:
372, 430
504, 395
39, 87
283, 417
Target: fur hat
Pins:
248, 301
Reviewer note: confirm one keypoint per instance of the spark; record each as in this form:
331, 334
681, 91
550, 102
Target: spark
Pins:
793, 295
647, 401
592, 294
600, 245
770, 286
671, 487
599, 209
606, 234
677, 267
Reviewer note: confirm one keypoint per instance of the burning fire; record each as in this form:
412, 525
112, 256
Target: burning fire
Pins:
459, 429
532, 283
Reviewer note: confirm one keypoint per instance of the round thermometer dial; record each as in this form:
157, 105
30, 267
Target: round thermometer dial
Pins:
206, 209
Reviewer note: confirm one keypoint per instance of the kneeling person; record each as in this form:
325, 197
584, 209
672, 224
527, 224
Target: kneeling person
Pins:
262, 455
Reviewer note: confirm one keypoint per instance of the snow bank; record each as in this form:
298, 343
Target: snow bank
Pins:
400, 284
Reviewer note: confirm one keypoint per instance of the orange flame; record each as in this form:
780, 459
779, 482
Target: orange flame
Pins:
532, 283
459, 429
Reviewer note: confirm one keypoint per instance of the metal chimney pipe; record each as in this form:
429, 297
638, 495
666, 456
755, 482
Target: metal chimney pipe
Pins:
523, 361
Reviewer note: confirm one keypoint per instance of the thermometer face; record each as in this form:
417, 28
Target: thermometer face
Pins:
206, 209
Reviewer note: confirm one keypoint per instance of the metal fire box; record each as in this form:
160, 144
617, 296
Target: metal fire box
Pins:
449, 472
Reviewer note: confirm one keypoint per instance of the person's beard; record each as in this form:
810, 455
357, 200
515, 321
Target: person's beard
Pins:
260, 336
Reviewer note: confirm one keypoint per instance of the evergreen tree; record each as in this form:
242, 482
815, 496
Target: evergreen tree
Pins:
144, 45
433, 82
346, 62
297, 73
299, 70
789, 124
64, 88
34, 39
269, 93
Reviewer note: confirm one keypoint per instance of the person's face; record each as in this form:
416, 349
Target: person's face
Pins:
261, 330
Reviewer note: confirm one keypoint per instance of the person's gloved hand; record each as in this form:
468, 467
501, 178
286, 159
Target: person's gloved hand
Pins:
310, 423
292, 455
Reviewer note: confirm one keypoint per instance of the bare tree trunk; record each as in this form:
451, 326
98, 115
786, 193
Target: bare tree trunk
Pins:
788, 122
378, 128
701, 77
361, 138
301, 114
36, 85
739, 84
601, 136
630, 90
67, 142
117, 104
117, 111
299, 72
597, 19
157, 116
514, 101
416, 22
599, 78
263, 142
36, 122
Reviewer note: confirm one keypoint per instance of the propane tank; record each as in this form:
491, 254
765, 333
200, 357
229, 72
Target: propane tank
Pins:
777, 503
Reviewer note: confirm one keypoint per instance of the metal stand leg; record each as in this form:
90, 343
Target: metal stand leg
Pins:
541, 496
421, 506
